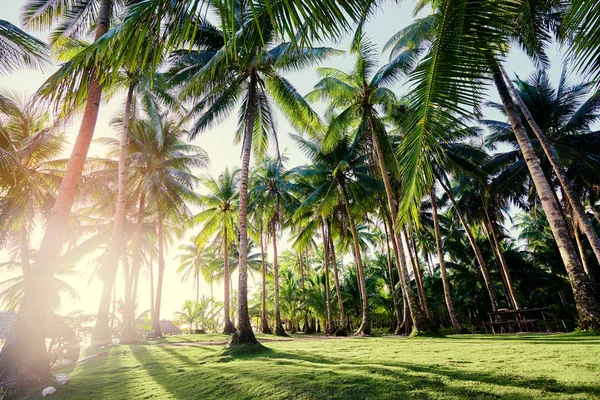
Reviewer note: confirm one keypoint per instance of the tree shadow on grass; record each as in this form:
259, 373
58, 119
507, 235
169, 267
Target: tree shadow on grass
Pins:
543, 384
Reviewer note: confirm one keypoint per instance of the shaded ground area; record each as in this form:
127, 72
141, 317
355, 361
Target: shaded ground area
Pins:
459, 367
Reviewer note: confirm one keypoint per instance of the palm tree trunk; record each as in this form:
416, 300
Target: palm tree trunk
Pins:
128, 333
584, 290
341, 330
263, 312
303, 289
326, 259
581, 248
393, 289
151, 270
420, 320
229, 328
26, 346
24, 255
156, 332
444, 273
244, 334
579, 213
101, 334
197, 286
418, 276
279, 331
503, 265
365, 325
489, 285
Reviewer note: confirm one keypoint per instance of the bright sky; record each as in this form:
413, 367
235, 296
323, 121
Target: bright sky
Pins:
218, 143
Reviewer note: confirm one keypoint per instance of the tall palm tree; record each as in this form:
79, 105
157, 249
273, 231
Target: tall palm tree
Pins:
341, 176
272, 194
251, 72
196, 262
26, 346
359, 97
436, 104
168, 180
219, 218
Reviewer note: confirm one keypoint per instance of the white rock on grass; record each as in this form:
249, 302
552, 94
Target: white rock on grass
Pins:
49, 391
62, 379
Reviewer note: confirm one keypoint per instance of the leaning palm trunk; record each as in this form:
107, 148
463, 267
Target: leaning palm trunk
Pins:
418, 315
156, 331
417, 274
395, 292
503, 265
326, 259
444, 273
365, 324
101, 333
482, 264
578, 213
229, 328
263, 311
244, 334
279, 331
23, 359
584, 290
341, 330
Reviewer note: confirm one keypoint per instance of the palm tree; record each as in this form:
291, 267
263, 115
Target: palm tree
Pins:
437, 104
196, 262
220, 78
219, 218
358, 98
340, 176
560, 119
29, 176
33, 309
18, 49
272, 194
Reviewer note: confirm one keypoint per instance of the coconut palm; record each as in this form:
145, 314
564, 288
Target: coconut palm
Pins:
340, 176
18, 49
196, 262
249, 72
437, 104
218, 222
271, 192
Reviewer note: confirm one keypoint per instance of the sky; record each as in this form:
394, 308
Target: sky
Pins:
218, 143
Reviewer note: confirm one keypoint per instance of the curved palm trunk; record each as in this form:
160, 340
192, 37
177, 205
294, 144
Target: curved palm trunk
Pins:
365, 324
263, 311
128, 333
229, 328
341, 330
326, 259
419, 318
156, 332
582, 219
418, 275
151, 270
482, 264
244, 334
584, 290
444, 273
581, 248
101, 334
394, 290
279, 331
23, 359
503, 265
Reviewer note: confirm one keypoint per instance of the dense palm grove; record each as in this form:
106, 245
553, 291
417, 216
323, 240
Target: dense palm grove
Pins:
413, 213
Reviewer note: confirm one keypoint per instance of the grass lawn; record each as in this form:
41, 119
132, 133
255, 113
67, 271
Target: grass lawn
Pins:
456, 367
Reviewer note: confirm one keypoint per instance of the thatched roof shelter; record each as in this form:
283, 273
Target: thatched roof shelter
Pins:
168, 328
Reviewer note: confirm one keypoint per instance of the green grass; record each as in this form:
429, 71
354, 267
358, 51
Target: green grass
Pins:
456, 367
